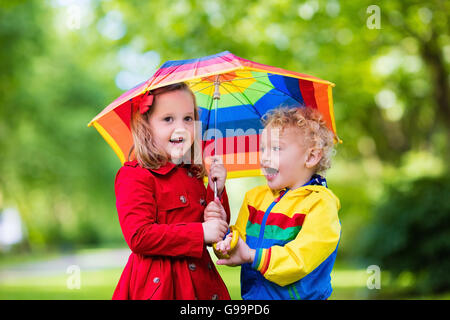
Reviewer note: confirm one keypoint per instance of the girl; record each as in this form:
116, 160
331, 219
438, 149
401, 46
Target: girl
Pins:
161, 204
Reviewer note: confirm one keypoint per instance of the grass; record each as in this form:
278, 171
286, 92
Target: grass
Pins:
348, 283
96, 285
99, 285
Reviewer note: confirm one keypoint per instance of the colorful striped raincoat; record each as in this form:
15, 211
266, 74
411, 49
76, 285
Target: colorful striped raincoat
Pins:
296, 235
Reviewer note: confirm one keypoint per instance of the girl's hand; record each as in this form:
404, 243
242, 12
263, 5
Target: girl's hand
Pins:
215, 210
218, 173
214, 230
241, 254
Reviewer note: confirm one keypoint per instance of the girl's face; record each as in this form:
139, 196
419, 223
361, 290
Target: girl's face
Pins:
284, 158
172, 122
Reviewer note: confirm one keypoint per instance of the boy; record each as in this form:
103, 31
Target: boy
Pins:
289, 229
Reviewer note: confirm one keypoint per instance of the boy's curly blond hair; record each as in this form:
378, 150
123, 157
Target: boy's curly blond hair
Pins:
312, 125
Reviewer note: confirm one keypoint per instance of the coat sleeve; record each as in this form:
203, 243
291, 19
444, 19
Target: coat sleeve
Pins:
137, 209
316, 241
223, 200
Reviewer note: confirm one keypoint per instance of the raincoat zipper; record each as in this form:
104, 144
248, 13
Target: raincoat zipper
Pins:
264, 220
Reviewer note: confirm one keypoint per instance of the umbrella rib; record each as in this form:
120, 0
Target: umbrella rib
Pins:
265, 92
248, 100
233, 95
247, 88
262, 83
203, 88
195, 83
259, 115
210, 103
282, 94
235, 79
249, 78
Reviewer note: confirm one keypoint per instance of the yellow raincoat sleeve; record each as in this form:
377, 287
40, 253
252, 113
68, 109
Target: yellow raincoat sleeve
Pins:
241, 221
316, 241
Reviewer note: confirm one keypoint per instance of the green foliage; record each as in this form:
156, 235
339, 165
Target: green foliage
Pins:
53, 168
54, 79
410, 232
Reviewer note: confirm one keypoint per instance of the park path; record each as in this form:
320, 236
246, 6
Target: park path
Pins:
87, 260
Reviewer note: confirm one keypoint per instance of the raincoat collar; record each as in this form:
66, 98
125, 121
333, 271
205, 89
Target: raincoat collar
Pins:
163, 169
166, 168
316, 180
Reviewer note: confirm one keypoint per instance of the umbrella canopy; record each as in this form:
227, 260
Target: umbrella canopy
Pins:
232, 95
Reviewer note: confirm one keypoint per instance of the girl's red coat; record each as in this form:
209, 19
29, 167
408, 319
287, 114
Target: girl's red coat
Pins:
161, 214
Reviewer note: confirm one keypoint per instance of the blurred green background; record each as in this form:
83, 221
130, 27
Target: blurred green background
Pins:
63, 61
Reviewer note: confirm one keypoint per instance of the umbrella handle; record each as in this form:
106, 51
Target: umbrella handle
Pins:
215, 189
215, 182
234, 241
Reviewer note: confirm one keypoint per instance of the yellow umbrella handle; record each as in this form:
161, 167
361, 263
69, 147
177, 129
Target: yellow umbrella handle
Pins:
234, 241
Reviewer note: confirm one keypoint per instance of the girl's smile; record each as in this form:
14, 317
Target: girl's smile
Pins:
177, 140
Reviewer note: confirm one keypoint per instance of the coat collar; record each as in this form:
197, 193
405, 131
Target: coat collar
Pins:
163, 169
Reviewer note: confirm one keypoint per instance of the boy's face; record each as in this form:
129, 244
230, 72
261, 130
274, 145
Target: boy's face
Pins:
285, 159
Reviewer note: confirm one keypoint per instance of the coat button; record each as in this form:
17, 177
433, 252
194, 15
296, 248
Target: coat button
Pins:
183, 199
155, 280
190, 174
203, 202
192, 266
209, 266
214, 297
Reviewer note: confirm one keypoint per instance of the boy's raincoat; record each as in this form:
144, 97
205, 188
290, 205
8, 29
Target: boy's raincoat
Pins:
296, 244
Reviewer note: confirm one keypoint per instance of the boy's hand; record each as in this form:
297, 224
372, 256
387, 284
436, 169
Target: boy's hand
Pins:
241, 254
214, 230
218, 173
215, 210
224, 245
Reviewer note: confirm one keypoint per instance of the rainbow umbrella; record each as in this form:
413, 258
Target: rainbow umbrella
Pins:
232, 95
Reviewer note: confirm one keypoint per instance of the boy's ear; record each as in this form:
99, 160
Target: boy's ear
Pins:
314, 156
